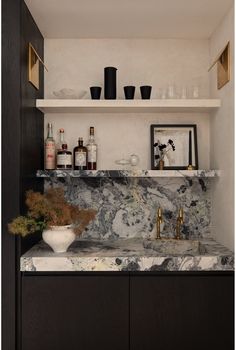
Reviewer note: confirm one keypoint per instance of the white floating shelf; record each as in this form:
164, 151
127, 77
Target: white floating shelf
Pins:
127, 173
127, 106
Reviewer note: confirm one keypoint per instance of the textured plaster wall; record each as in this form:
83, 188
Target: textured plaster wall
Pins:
78, 64
222, 139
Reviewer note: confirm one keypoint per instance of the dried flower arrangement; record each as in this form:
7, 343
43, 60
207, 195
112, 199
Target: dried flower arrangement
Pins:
50, 209
163, 149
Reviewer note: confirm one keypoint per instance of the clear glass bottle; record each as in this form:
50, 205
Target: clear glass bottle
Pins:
50, 150
80, 156
64, 157
92, 151
61, 139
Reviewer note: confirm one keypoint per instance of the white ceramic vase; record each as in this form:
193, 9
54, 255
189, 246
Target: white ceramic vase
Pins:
59, 238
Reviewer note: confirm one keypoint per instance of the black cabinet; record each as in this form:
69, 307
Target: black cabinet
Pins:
140, 311
193, 311
75, 312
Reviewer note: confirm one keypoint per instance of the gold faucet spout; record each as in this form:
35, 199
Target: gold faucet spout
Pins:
159, 221
180, 221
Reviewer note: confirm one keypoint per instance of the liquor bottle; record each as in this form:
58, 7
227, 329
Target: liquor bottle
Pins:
64, 157
80, 156
50, 150
92, 151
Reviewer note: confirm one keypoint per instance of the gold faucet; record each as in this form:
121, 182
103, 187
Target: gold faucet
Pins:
180, 221
159, 221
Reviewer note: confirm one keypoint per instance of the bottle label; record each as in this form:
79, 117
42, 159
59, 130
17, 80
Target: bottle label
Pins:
80, 159
50, 155
92, 155
64, 159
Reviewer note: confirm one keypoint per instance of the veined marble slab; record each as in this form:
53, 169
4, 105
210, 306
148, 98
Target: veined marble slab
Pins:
124, 255
127, 173
127, 207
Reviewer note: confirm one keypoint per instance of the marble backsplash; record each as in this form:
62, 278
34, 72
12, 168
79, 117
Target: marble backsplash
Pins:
127, 207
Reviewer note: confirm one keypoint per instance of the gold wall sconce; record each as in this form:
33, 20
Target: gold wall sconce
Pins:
223, 66
33, 66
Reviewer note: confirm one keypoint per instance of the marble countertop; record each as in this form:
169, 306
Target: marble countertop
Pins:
124, 255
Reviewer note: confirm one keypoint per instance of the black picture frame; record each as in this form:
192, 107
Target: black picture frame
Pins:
192, 127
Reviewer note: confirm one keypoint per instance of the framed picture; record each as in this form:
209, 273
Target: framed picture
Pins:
176, 145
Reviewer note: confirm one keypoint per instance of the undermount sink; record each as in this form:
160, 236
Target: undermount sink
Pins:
175, 247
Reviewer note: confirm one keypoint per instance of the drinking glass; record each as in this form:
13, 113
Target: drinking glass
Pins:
195, 92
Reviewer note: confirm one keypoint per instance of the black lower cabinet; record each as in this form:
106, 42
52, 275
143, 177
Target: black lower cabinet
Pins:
75, 312
140, 311
184, 312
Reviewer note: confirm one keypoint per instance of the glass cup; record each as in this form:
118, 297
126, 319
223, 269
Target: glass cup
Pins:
171, 92
184, 92
146, 92
195, 91
129, 92
163, 94
134, 160
95, 92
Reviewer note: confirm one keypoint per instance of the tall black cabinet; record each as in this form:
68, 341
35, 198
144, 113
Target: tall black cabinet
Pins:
22, 144
11, 106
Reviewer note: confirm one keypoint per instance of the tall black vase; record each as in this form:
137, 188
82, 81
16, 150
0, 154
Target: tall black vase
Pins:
110, 83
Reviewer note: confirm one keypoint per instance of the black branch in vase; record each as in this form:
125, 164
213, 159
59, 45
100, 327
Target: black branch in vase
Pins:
162, 149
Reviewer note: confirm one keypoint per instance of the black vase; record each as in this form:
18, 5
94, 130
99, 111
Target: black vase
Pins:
145, 92
95, 92
110, 83
129, 92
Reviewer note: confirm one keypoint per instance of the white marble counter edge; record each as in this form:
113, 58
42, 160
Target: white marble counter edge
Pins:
160, 263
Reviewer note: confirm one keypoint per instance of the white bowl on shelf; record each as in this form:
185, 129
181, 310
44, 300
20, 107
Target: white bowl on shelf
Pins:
69, 94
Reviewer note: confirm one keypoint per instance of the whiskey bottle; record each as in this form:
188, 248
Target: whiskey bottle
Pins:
64, 157
80, 156
50, 150
92, 151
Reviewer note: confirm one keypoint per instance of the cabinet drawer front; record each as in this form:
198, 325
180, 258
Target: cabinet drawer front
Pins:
182, 312
75, 312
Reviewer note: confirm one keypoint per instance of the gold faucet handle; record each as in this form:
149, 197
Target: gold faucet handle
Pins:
159, 221
181, 215
159, 214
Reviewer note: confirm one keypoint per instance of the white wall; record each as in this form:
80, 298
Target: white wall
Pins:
79, 63
222, 139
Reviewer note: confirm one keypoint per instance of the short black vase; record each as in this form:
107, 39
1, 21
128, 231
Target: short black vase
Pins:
95, 92
110, 83
129, 92
145, 92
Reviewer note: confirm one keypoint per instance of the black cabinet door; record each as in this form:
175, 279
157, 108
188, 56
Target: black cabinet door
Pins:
182, 312
75, 312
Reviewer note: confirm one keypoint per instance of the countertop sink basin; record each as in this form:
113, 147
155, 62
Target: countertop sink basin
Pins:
174, 247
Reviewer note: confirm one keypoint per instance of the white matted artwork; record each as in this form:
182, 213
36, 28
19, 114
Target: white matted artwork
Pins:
175, 144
